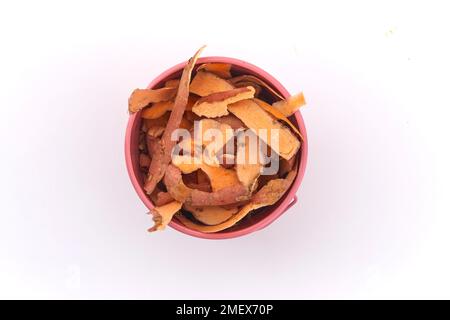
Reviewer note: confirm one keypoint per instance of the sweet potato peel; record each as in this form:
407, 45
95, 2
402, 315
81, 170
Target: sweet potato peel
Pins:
249, 79
157, 110
180, 192
248, 166
267, 196
163, 215
219, 177
213, 146
211, 215
222, 70
262, 123
290, 105
206, 83
161, 198
162, 159
215, 104
277, 114
140, 98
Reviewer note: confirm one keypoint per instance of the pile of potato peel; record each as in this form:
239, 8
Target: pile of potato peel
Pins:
209, 188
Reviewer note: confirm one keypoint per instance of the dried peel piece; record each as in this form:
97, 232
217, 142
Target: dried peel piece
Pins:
277, 114
211, 215
268, 195
274, 190
263, 125
232, 121
186, 164
160, 122
160, 198
223, 70
291, 104
219, 177
214, 136
249, 84
206, 83
157, 110
248, 164
163, 215
215, 104
206, 136
140, 98
249, 79
162, 159
180, 192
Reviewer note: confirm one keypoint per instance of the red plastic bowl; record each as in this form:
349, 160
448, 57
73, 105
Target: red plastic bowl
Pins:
255, 222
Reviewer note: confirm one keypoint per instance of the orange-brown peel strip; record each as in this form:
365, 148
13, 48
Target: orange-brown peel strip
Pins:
223, 70
291, 104
140, 98
206, 83
264, 125
160, 198
277, 114
163, 215
215, 105
252, 79
162, 159
157, 110
219, 177
180, 192
268, 195
211, 215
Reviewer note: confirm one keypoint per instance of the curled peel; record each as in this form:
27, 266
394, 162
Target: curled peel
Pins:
211, 215
277, 114
162, 159
290, 105
249, 84
163, 215
213, 143
264, 126
267, 196
222, 70
215, 104
180, 192
140, 98
157, 110
160, 198
232, 121
160, 122
249, 79
206, 136
206, 83
248, 166
219, 177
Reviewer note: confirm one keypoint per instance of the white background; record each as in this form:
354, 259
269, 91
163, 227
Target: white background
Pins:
373, 214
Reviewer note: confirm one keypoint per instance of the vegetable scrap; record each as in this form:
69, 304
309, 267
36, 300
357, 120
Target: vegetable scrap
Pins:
204, 142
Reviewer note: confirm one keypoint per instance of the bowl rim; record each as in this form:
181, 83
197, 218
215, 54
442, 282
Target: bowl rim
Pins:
288, 198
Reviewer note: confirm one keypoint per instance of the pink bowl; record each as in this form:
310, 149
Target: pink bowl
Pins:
255, 222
